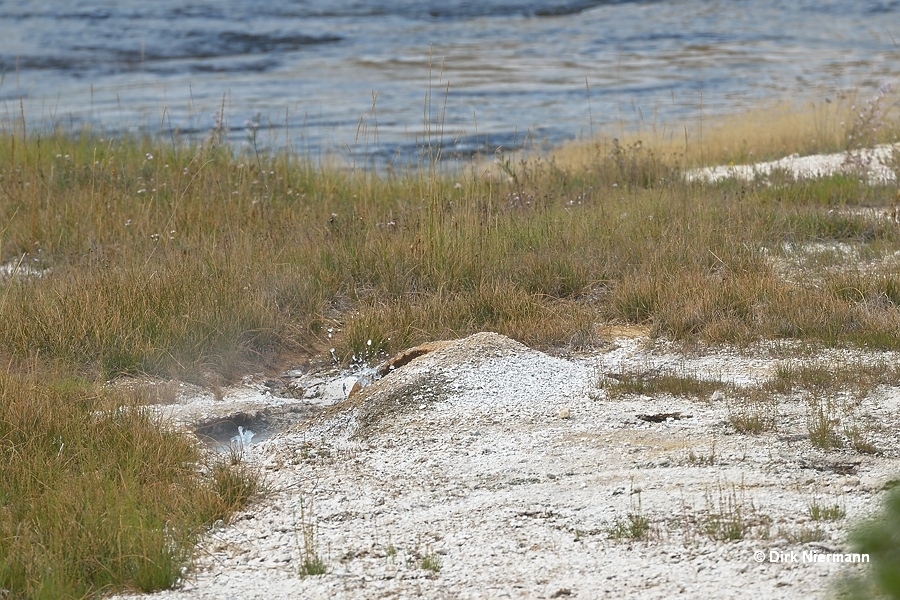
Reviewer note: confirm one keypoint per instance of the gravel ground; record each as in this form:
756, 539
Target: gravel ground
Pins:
485, 469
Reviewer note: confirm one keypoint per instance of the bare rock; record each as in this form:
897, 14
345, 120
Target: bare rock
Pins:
409, 355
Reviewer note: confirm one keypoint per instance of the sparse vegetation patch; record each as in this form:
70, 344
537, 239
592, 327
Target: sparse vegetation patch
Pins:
655, 382
95, 494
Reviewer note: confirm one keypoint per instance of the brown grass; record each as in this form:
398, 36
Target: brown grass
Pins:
755, 134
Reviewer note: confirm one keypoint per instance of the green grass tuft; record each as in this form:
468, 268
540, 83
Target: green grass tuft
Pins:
879, 537
431, 562
654, 382
96, 495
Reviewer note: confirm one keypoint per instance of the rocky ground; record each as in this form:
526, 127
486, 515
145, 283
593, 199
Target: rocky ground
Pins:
486, 469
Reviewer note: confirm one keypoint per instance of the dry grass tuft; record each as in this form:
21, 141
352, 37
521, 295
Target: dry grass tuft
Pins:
755, 134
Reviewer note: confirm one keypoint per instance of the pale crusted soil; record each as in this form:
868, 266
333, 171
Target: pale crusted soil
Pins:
878, 164
512, 474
